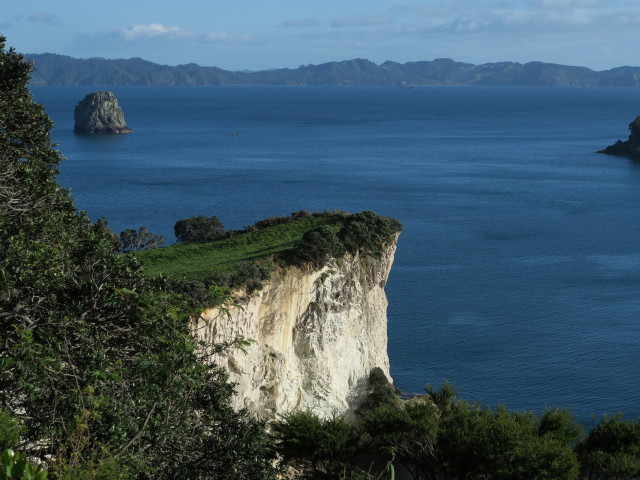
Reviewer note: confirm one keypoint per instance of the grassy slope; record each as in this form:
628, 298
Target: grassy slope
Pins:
201, 261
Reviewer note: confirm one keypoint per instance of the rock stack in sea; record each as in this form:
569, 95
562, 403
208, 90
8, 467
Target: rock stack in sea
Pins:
99, 112
629, 148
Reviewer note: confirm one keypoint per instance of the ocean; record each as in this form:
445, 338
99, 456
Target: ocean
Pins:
517, 275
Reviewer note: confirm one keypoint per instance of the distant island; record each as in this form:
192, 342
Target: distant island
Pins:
53, 69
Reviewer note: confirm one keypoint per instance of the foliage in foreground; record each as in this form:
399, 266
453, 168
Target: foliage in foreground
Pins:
99, 375
14, 466
441, 437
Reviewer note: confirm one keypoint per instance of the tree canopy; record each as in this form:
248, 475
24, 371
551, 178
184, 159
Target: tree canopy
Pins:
439, 436
198, 229
132, 240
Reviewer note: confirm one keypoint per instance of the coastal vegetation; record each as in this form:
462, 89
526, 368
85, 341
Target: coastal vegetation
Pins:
438, 436
99, 374
246, 257
198, 229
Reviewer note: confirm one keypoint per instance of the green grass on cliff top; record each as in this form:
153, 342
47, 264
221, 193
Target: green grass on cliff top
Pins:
204, 261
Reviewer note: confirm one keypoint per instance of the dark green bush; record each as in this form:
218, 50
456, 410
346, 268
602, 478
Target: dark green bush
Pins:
269, 222
368, 233
198, 229
611, 450
251, 275
364, 232
319, 245
294, 217
322, 448
10, 430
379, 392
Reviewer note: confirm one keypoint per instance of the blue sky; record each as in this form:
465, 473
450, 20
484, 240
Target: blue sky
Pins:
261, 34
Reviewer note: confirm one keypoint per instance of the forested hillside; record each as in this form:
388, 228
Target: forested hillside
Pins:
54, 69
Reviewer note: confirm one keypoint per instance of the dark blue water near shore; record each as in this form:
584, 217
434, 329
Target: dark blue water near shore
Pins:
518, 273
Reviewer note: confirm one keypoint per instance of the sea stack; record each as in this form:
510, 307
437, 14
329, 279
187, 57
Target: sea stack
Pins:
629, 148
99, 112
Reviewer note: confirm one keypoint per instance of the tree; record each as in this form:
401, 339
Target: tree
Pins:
96, 361
475, 442
611, 450
318, 245
405, 432
321, 448
379, 392
441, 437
368, 233
142, 239
198, 229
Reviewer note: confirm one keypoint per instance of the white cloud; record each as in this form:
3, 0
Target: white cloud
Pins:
152, 30
44, 18
160, 32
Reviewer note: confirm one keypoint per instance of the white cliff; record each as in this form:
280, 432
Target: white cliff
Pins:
317, 335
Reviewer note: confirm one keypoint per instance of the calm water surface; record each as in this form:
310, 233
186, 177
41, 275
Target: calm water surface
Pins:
518, 272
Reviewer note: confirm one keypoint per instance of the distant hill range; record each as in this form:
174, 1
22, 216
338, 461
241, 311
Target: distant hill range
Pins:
55, 69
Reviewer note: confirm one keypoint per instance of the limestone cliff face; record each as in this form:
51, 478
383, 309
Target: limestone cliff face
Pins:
99, 112
317, 335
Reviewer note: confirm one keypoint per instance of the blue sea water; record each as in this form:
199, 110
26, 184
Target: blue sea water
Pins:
518, 271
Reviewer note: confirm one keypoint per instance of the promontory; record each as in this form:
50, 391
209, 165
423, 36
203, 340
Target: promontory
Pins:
629, 148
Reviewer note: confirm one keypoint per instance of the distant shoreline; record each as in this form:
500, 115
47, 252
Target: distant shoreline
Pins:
59, 70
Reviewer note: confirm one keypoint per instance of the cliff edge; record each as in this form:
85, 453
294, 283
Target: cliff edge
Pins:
316, 336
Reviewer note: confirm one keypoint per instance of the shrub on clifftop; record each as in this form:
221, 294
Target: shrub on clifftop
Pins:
198, 229
368, 233
319, 245
303, 239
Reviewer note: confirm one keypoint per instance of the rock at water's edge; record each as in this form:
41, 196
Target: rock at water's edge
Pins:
99, 112
629, 148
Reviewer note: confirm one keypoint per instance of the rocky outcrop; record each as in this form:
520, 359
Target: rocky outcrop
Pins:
316, 336
99, 112
629, 148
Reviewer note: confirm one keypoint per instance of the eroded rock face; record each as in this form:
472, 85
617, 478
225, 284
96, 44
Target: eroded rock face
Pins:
99, 112
629, 148
317, 335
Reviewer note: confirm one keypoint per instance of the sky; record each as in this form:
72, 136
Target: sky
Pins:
264, 34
